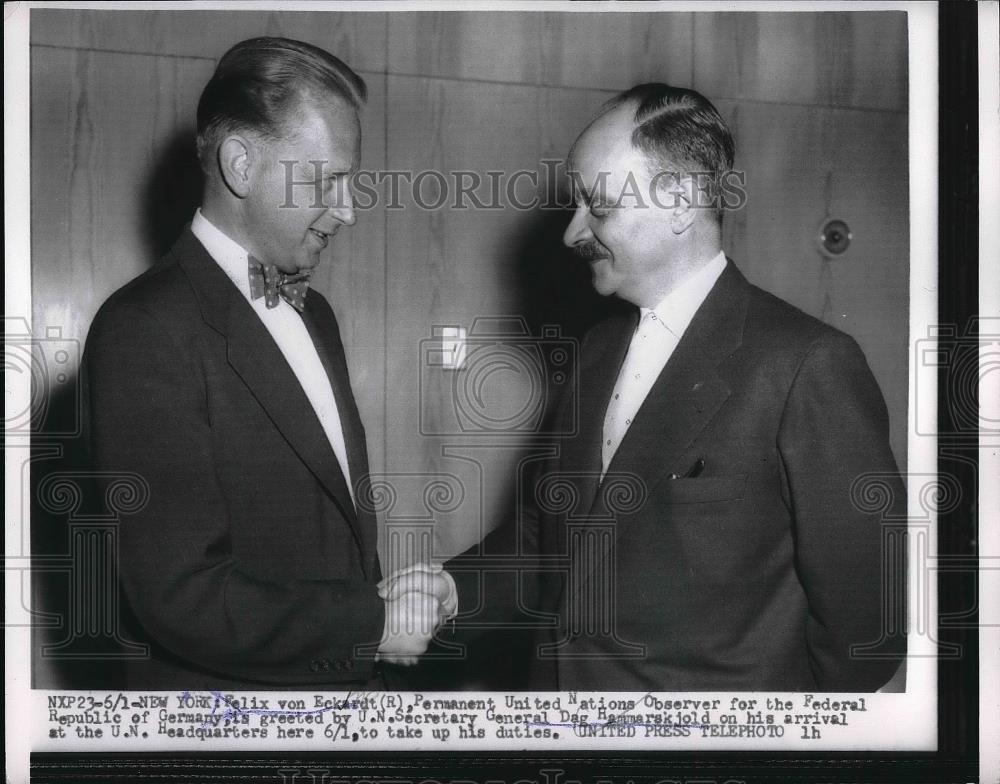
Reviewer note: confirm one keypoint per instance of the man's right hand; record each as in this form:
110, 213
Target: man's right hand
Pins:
418, 599
427, 578
411, 619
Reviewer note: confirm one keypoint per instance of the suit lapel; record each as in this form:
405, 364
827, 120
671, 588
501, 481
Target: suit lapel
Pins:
581, 459
256, 358
322, 326
690, 389
601, 357
683, 400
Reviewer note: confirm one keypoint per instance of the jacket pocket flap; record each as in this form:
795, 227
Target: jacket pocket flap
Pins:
704, 490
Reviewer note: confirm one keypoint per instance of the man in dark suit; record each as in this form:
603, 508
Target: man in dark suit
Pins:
707, 504
219, 379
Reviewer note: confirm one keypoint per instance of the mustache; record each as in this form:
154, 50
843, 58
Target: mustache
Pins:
589, 251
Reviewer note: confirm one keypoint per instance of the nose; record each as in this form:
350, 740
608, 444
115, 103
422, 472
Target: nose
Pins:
343, 209
578, 230
345, 214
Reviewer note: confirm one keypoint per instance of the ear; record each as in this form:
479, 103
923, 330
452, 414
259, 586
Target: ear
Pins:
684, 208
236, 159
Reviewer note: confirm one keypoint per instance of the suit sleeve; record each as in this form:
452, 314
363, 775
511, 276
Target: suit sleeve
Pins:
834, 432
493, 597
531, 536
148, 414
495, 604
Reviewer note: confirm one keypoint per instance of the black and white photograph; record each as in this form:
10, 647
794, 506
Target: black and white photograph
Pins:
488, 377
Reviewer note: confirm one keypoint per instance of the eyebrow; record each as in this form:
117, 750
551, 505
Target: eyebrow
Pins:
589, 195
576, 184
326, 174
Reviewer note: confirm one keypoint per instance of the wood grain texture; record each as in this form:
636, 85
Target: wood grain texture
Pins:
449, 266
587, 50
734, 223
112, 129
356, 38
108, 172
804, 165
842, 59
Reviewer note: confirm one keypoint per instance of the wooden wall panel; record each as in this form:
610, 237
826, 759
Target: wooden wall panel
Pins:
103, 129
855, 60
481, 91
734, 221
356, 38
447, 267
803, 164
590, 50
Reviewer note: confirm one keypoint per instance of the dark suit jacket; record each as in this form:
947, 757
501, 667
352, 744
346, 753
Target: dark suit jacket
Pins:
761, 572
249, 565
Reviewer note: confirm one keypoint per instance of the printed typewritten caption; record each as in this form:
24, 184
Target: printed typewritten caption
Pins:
158, 720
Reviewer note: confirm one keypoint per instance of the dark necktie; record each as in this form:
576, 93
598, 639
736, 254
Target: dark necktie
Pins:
267, 281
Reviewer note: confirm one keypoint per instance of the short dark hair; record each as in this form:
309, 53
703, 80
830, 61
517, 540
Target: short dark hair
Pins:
678, 127
260, 82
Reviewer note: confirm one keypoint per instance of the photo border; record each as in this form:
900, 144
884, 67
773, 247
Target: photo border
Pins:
957, 756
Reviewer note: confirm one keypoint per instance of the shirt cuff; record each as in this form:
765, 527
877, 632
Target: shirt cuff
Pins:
451, 603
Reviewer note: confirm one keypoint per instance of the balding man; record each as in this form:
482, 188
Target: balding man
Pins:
713, 538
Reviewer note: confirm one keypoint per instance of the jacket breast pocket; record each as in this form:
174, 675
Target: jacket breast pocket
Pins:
703, 490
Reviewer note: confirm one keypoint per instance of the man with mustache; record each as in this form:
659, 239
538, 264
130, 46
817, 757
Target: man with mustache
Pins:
219, 379
713, 535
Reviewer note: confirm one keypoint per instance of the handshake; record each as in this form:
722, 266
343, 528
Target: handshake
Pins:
418, 599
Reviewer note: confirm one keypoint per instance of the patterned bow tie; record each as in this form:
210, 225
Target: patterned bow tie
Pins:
267, 281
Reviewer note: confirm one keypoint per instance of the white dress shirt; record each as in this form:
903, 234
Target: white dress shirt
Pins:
285, 325
660, 330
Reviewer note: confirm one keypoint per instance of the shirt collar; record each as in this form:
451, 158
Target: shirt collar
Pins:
227, 253
676, 310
